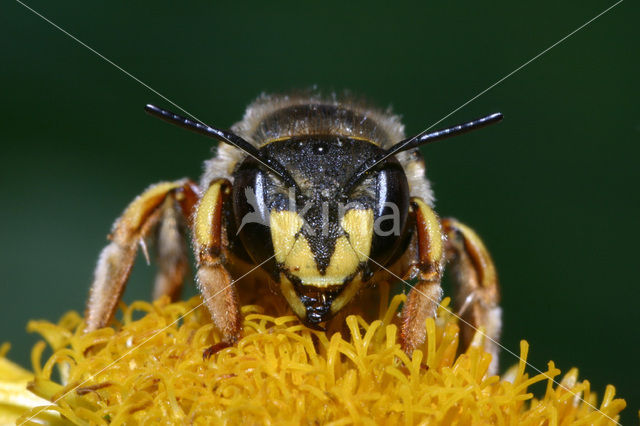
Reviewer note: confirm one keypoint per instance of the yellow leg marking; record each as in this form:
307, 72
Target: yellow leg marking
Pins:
430, 236
207, 208
137, 213
208, 218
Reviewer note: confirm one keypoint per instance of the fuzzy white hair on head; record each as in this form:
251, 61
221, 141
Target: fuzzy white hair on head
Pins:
272, 117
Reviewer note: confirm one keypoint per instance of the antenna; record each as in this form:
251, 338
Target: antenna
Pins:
422, 139
223, 136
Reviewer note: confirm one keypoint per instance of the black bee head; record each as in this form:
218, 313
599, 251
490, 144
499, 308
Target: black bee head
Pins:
323, 235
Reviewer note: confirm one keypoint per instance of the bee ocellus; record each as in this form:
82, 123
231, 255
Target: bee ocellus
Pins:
316, 201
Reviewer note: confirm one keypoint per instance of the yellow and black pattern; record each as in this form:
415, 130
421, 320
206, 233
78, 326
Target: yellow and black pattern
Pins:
325, 196
322, 232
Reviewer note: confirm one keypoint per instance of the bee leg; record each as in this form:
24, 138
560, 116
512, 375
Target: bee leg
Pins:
423, 299
215, 282
129, 231
171, 251
478, 293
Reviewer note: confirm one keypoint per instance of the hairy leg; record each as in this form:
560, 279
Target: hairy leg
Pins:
148, 210
477, 291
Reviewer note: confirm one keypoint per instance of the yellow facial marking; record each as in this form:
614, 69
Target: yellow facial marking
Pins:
359, 225
300, 260
284, 227
204, 215
344, 261
301, 263
294, 252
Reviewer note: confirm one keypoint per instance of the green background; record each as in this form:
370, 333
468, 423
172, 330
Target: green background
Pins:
553, 189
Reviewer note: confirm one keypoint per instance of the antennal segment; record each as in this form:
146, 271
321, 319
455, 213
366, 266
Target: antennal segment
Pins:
422, 139
428, 137
223, 136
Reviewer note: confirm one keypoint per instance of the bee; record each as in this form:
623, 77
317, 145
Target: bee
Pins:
321, 199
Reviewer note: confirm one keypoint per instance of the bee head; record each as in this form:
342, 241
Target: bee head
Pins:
324, 230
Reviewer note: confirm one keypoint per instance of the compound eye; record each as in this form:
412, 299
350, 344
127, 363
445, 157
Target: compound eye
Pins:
390, 214
251, 211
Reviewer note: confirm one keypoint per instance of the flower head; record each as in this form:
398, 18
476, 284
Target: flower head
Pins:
149, 368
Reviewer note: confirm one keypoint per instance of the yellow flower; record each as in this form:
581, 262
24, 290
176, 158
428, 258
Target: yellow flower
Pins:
15, 399
150, 369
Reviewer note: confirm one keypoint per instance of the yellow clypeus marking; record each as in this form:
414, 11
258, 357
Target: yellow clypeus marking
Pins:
294, 252
284, 227
300, 262
358, 224
344, 261
436, 249
205, 213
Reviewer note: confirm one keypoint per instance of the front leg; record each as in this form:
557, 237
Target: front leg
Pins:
478, 294
214, 281
155, 206
423, 299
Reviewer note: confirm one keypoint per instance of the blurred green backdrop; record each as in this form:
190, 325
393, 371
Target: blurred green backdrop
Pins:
553, 189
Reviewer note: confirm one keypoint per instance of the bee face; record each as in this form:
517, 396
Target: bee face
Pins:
321, 231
